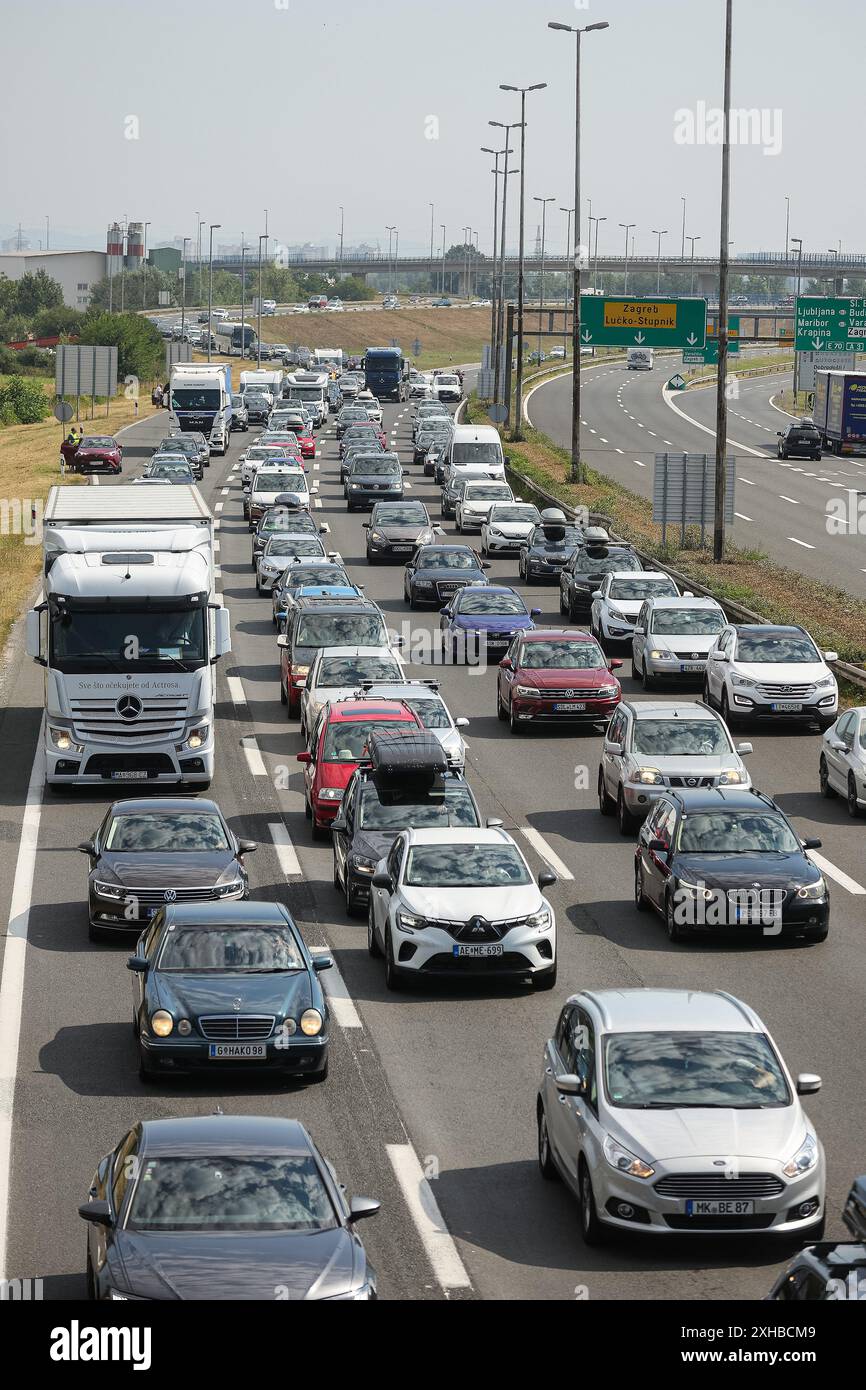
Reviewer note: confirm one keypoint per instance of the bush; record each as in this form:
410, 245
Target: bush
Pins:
140, 347
24, 400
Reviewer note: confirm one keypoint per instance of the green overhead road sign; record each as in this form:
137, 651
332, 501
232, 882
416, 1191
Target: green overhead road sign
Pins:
709, 355
830, 325
617, 321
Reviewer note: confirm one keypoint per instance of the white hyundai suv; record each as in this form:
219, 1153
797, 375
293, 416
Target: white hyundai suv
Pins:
451, 902
763, 671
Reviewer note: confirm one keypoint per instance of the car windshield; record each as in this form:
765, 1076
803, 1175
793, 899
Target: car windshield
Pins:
602, 562
98, 441
681, 622
346, 741
236, 1192
409, 515
297, 576
241, 946
263, 451
375, 467
562, 655
281, 520
301, 545
635, 590
500, 514
174, 832
274, 482
179, 445
282, 545
170, 470
674, 737
482, 601
566, 538
341, 630
339, 671
465, 866
786, 647
486, 492
738, 1071
401, 807
430, 559
736, 832
432, 713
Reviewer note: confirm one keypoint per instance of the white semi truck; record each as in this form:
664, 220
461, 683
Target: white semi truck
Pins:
200, 398
128, 629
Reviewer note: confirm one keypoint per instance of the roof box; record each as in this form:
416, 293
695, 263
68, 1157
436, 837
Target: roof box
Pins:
854, 1214
416, 755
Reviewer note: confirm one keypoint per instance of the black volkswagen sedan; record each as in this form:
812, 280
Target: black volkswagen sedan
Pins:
228, 986
223, 1207
435, 572
728, 861
396, 529
147, 853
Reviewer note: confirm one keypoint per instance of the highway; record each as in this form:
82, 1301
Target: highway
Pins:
447, 1078
780, 505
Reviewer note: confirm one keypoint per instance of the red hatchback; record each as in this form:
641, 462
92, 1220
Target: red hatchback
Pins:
338, 744
94, 454
556, 676
306, 442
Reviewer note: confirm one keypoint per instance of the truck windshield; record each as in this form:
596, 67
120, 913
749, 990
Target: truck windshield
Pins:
195, 398
103, 639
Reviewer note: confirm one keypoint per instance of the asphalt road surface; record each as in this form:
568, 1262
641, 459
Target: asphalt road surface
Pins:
445, 1079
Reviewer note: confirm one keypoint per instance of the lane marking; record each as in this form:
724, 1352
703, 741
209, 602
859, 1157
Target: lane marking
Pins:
742, 517
804, 544
792, 500
543, 850
745, 480
619, 451
255, 761
442, 1253
236, 690
287, 857
850, 884
12, 981
341, 1003
639, 464
224, 491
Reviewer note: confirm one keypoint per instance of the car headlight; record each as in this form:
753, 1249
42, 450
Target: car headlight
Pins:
650, 776
624, 1161
409, 921
300, 670
377, 537
62, 740
660, 654
331, 793
696, 890
289, 1027
361, 864
109, 890
826, 683
355, 485
529, 690
805, 1158
197, 737
617, 617
606, 692
423, 584
742, 680
225, 890
311, 1023
539, 921
814, 892
161, 1023
731, 777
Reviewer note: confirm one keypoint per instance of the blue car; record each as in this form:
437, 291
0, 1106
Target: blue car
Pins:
484, 619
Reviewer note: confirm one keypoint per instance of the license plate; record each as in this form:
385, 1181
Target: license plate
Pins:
690, 667
129, 776
570, 706
401, 549
790, 705
230, 1052
491, 949
448, 588
727, 1208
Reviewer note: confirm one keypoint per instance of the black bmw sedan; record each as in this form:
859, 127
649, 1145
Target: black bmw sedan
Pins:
218, 1207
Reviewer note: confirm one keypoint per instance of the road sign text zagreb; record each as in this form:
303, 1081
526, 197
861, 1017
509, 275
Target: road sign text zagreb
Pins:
830, 325
622, 322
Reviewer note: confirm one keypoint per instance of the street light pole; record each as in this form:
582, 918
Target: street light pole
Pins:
569, 212
243, 297
683, 248
485, 149
183, 289
627, 226
144, 270
516, 431
499, 337
543, 202
724, 253
798, 242
431, 238
390, 231
595, 272
693, 239
787, 223
214, 227
659, 234
342, 229
259, 317
442, 290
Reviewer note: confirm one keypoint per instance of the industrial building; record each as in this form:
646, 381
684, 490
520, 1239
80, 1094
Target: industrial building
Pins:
75, 271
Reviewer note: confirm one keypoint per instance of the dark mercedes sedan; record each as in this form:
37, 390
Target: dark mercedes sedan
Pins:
228, 986
219, 1207
147, 853
396, 529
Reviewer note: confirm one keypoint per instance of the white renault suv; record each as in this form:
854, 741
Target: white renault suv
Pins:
456, 902
671, 1112
761, 671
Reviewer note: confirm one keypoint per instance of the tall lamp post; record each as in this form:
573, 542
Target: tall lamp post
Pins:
183, 288
485, 149
833, 252
659, 234
626, 226
683, 246
787, 223
342, 229
517, 431
390, 231
500, 298
724, 254
442, 290
595, 271
198, 259
262, 238
214, 227
569, 213
798, 242
144, 270
543, 202
693, 239
243, 297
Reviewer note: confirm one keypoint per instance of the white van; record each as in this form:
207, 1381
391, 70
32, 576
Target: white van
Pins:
639, 359
476, 449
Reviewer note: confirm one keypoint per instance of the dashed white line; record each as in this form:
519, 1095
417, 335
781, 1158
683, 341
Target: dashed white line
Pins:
287, 857
742, 517
341, 1002
804, 544
442, 1253
639, 464
543, 850
255, 761
792, 500
218, 506
236, 690
619, 451
745, 480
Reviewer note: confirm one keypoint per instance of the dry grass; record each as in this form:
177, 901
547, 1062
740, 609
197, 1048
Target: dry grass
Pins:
447, 336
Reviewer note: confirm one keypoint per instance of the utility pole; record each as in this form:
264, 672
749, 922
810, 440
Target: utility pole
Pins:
442, 288
659, 262
798, 241
721, 397
683, 249
595, 271
787, 223
144, 270
693, 239
517, 425
569, 213
183, 288
627, 226
543, 202
214, 227
485, 149
342, 229
243, 297
262, 238
499, 337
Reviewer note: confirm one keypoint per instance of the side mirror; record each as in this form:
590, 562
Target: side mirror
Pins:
87, 847
718, 656
614, 749
639, 631
366, 525
831, 656
596, 593
506, 458
485, 565
361, 1207
301, 684
140, 964
282, 640
506, 664
687, 593
223, 631
323, 963
614, 664
339, 822
836, 744
247, 846
546, 878
304, 757
493, 823
97, 1212
812, 843
808, 1083
744, 748
33, 637
568, 1085
382, 879
461, 723
778, 434
657, 847
535, 612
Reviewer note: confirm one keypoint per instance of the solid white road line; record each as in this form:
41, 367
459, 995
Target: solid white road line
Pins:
287, 857
12, 981
341, 1003
236, 690
442, 1253
543, 850
850, 884
255, 762
805, 544
672, 405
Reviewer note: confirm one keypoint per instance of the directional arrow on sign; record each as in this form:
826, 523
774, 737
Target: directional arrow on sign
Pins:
586, 336
691, 340
639, 337
817, 342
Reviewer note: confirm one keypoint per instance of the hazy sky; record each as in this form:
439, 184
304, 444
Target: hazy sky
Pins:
301, 106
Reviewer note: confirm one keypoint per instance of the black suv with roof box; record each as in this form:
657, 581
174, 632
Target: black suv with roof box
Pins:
406, 781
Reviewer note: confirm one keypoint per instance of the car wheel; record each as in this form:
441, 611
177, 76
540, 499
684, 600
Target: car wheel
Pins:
351, 900
514, 725
646, 679
284, 699
672, 927
827, 791
624, 817
546, 1165
500, 712
373, 947
641, 901
726, 710
393, 976
851, 799
605, 802
590, 1227
545, 979
707, 695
